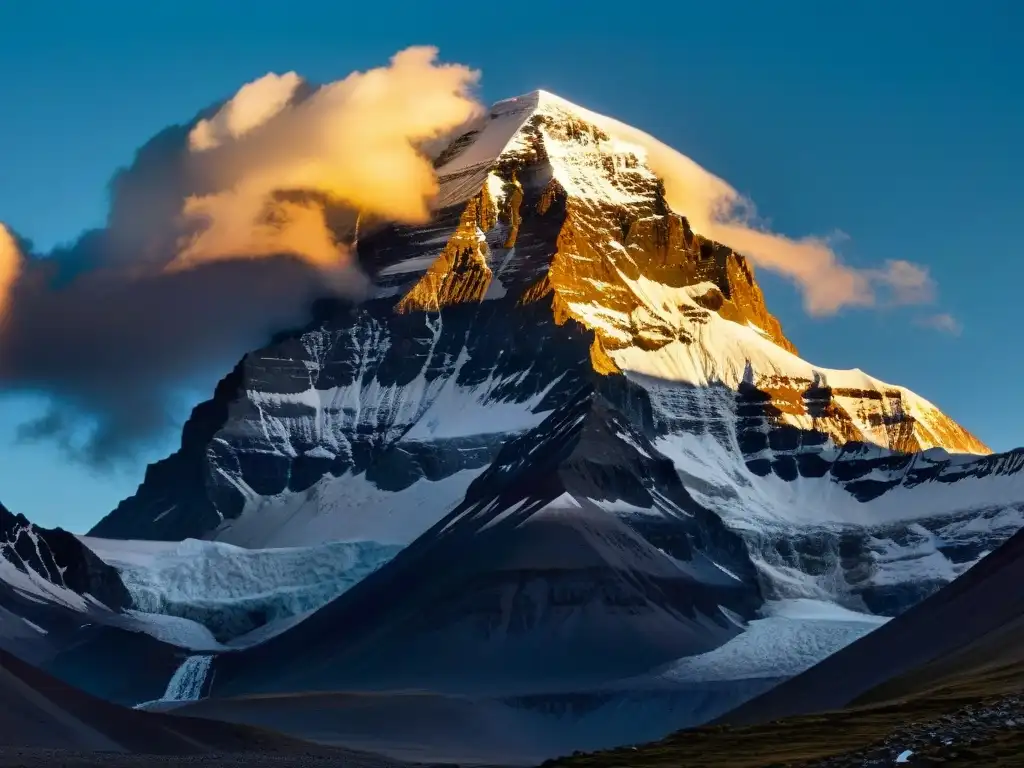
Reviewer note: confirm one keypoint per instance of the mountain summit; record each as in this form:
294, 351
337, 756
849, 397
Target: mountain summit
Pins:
556, 286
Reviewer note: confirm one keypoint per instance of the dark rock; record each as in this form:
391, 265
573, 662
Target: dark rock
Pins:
60, 558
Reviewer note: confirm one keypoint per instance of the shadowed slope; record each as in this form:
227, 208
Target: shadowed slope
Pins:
954, 657
973, 625
39, 712
535, 578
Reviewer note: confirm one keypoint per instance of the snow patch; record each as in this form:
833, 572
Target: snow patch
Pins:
348, 508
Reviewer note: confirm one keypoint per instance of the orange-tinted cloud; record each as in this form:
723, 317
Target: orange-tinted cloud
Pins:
353, 142
10, 269
717, 211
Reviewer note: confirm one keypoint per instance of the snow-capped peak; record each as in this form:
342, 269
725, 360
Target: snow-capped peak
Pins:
584, 158
541, 102
663, 301
553, 263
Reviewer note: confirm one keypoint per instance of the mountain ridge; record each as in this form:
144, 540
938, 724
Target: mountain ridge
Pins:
60, 558
536, 205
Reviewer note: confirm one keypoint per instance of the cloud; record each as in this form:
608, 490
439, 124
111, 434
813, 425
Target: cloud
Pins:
908, 283
717, 211
253, 105
942, 321
11, 261
222, 231
354, 142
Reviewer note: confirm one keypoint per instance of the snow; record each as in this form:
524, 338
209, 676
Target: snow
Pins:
699, 377
496, 188
792, 636
727, 353
349, 508
722, 481
724, 352
31, 586
496, 132
192, 592
457, 411
577, 165
413, 264
174, 630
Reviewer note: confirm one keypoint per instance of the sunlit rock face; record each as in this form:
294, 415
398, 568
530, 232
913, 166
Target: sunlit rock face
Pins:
555, 267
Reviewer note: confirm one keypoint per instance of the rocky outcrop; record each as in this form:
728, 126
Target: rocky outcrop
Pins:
61, 559
970, 735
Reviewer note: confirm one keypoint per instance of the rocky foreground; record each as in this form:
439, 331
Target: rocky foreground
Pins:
973, 735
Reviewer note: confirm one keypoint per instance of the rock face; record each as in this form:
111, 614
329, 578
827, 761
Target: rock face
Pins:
60, 558
57, 597
534, 581
555, 270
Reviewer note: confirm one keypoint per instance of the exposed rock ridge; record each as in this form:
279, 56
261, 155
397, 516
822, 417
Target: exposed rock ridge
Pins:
60, 558
632, 270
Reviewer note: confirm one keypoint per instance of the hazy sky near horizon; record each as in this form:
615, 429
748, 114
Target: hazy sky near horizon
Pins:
897, 124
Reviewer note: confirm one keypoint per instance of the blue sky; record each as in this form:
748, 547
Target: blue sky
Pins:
898, 124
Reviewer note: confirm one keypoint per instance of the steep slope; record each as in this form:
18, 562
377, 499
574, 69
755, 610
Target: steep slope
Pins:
598, 448
63, 609
39, 711
118, 619
971, 627
230, 592
534, 582
554, 255
59, 558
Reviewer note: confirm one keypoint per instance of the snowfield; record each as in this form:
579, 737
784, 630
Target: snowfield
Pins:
230, 591
792, 636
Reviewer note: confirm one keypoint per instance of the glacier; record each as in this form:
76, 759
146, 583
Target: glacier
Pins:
230, 591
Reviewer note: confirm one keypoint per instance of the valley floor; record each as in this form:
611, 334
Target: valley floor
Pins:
44, 758
317, 757
977, 721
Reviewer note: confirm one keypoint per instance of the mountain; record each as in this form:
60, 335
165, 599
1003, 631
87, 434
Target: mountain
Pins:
555, 265
59, 558
66, 611
119, 619
531, 582
611, 483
